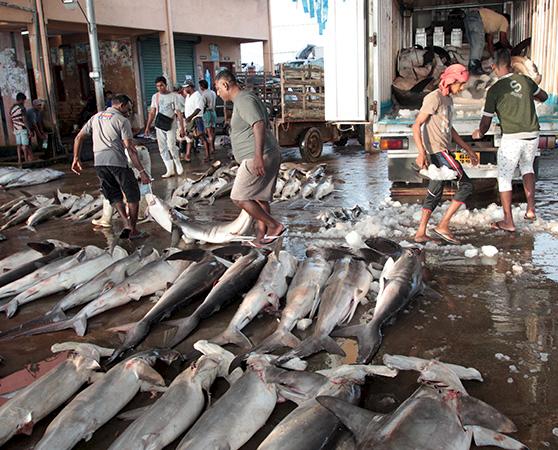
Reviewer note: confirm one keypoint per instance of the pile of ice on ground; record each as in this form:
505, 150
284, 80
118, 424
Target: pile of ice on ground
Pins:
398, 221
438, 173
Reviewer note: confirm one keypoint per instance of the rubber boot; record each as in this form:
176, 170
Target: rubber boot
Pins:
170, 168
106, 219
177, 162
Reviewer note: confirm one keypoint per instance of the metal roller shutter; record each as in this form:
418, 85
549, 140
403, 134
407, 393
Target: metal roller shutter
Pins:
151, 67
184, 57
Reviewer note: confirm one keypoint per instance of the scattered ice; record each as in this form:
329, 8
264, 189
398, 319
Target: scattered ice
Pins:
510, 380
489, 250
555, 431
517, 269
303, 324
452, 317
544, 357
375, 286
381, 221
355, 240
502, 357
419, 327
514, 369
475, 296
471, 253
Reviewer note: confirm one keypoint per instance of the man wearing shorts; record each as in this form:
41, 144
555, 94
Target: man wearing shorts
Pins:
433, 132
193, 116
512, 99
257, 151
112, 134
21, 129
209, 115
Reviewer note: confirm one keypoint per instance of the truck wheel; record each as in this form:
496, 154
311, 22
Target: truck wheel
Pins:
341, 142
311, 145
360, 134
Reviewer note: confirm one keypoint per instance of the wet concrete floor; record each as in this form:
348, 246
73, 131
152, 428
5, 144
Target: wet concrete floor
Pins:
504, 325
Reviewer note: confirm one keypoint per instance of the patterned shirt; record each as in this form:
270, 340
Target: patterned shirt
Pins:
17, 115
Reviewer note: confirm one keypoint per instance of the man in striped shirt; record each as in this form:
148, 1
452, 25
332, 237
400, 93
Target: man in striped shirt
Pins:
20, 127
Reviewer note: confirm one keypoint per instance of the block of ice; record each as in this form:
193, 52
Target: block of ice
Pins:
471, 253
489, 250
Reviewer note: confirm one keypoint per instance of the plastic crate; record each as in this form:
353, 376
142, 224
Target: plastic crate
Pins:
464, 158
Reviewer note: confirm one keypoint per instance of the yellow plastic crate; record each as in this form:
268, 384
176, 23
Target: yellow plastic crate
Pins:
464, 158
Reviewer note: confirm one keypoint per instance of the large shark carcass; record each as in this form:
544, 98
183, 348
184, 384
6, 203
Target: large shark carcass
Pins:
192, 230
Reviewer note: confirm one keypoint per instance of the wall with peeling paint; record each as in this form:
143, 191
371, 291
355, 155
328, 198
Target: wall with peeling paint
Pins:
13, 76
71, 58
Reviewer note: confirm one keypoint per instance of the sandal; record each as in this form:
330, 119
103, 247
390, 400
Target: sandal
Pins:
271, 239
497, 226
252, 244
446, 237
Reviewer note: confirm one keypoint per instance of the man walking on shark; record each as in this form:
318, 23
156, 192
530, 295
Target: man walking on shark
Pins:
256, 149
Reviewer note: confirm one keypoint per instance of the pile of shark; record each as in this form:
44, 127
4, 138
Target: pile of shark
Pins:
317, 300
11, 177
31, 210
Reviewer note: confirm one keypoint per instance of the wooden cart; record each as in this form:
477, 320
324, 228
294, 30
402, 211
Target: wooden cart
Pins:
295, 102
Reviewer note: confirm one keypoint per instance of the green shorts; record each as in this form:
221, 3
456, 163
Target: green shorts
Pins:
209, 119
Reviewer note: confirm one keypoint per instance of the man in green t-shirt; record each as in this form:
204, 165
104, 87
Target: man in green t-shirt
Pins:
512, 99
256, 150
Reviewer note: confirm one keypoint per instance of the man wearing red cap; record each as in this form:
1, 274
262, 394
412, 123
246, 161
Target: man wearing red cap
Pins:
433, 132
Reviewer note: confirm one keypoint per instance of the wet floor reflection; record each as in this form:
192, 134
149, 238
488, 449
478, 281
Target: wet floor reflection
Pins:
489, 315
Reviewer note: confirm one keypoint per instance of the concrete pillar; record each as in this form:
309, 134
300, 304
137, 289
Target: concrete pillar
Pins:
36, 59
139, 117
267, 56
50, 93
167, 46
267, 45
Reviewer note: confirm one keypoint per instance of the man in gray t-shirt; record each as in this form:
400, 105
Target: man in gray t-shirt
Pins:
112, 134
257, 151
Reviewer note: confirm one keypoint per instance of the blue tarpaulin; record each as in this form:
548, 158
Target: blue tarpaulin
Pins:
317, 9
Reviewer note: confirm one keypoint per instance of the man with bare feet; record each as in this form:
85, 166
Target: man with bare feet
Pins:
257, 151
512, 99
435, 137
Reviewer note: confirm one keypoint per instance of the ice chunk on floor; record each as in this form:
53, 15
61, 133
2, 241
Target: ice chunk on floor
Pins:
303, 324
471, 252
489, 250
517, 269
501, 357
355, 240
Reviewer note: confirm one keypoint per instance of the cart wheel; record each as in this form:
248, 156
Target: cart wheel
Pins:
311, 145
341, 142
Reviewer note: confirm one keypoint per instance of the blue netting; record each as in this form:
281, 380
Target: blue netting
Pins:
317, 9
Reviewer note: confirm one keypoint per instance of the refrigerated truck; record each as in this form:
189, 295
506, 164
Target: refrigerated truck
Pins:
363, 39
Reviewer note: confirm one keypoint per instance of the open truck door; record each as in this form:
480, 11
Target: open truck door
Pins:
345, 57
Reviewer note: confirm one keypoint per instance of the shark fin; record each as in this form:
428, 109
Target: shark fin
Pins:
358, 420
42, 247
232, 336
368, 341
485, 437
475, 412
133, 414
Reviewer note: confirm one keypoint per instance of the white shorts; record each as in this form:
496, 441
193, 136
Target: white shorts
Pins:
512, 152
